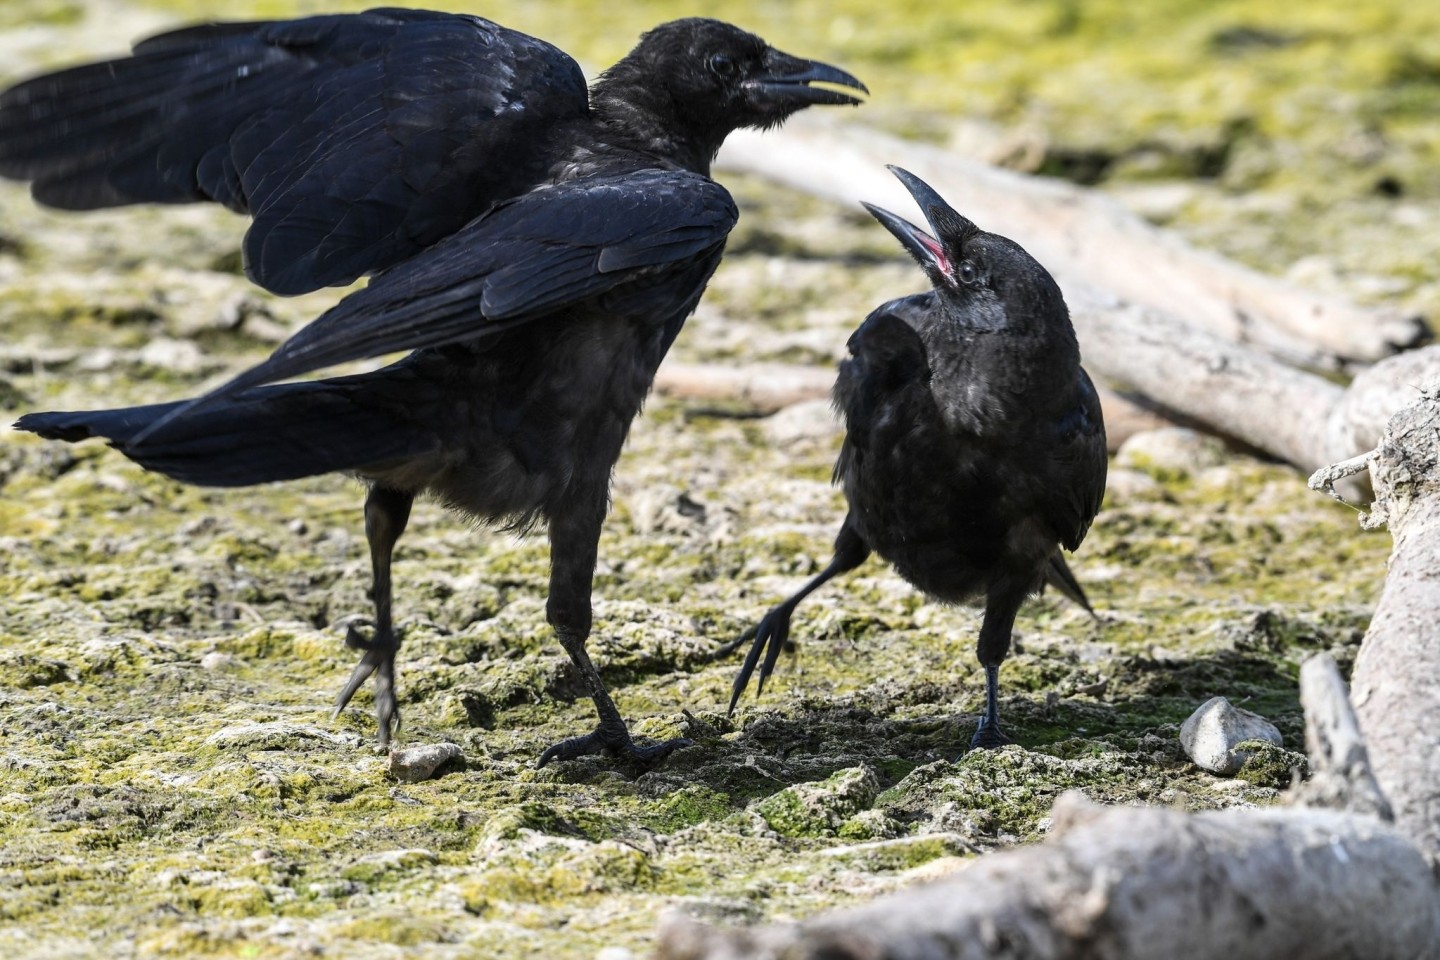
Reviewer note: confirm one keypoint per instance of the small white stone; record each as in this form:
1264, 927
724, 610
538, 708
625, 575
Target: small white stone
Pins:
180, 356
215, 660
1173, 450
805, 422
414, 764
1211, 733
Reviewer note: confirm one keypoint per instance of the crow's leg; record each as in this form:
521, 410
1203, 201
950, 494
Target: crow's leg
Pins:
773, 631
1001, 605
574, 538
386, 513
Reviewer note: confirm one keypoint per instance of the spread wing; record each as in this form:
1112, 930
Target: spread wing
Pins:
354, 140
643, 243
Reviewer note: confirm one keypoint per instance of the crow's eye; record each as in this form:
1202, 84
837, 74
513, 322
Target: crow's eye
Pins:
966, 272
722, 65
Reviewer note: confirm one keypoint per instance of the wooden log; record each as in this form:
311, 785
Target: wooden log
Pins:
1082, 236
1341, 777
1397, 675
1215, 351
1122, 883
765, 388
1234, 390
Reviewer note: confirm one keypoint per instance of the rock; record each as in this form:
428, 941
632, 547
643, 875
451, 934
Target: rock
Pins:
414, 764
216, 660
818, 809
177, 356
1170, 452
809, 421
1125, 486
1212, 734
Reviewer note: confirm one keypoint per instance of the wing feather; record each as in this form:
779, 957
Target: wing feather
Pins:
354, 140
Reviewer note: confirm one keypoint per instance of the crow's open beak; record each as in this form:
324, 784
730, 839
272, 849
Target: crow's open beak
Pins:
943, 219
787, 82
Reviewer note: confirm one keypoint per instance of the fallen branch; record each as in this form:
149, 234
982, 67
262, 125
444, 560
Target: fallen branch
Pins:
1397, 675
764, 388
1083, 236
1179, 332
1234, 390
1137, 883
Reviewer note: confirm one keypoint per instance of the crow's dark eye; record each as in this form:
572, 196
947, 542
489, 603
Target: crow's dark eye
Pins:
722, 65
966, 272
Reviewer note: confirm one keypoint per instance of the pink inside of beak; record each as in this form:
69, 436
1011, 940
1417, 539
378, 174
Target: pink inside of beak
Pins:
936, 250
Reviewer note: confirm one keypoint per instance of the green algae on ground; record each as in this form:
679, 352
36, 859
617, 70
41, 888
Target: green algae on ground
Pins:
171, 783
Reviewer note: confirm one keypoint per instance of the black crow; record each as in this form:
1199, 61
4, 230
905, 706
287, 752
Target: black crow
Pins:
536, 244
974, 445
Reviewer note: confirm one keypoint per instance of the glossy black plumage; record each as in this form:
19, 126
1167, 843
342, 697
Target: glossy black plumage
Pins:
974, 444
536, 245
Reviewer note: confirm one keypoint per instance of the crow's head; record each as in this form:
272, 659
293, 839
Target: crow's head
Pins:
709, 78
988, 280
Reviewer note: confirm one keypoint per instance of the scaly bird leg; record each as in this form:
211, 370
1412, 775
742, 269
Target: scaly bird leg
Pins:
574, 538
1000, 608
773, 631
386, 514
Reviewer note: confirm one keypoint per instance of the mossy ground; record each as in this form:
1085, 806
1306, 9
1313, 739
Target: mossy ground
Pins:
171, 783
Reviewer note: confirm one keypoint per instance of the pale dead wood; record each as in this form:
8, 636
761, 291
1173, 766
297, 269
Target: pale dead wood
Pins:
761, 387
1396, 685
1341, 777
1082, 236
764, 388
1234, 390
1122, 883
1181, 332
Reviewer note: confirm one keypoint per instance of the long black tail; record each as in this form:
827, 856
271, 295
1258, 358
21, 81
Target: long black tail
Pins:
1059, 576
270, 433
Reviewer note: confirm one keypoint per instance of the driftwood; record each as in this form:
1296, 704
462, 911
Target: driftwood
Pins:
1176, 332
1154, 368
1081, 235
764, 388
1397, 675
1131, 883
1329, 878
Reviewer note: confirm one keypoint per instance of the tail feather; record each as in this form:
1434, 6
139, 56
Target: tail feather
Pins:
1059, 575
271, 433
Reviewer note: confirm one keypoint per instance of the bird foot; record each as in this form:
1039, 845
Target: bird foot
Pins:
614, 739
770, 636
378, 659
989, 736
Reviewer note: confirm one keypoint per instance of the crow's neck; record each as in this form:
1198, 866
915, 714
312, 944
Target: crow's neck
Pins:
635, 117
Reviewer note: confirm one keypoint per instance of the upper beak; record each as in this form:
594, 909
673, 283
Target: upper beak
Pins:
787, 80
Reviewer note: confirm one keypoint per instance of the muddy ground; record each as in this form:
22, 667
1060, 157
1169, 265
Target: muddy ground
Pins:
171, 783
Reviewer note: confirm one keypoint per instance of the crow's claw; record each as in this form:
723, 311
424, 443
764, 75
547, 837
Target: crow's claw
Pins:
771, 634
378, 659
989, 736
725, 649
613, 739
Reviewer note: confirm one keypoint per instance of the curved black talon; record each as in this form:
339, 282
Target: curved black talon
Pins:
989, 736
378, 659
607, 738
729, 647
771, 634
